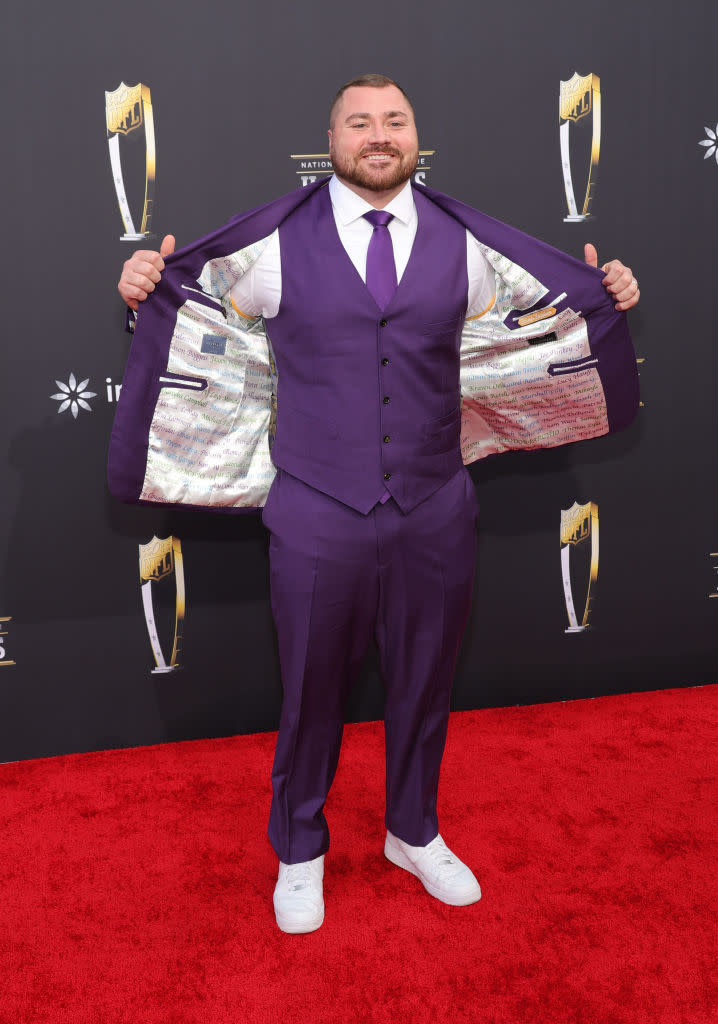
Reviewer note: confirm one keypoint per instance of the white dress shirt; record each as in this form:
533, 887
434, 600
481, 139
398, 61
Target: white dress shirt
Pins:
259, 291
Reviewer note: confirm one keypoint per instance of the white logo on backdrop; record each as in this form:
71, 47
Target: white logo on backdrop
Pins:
711, 143
73, 396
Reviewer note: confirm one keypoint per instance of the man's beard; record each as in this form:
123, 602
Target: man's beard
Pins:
353, 169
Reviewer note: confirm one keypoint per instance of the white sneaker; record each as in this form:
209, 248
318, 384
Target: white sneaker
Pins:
298, 896
437, 868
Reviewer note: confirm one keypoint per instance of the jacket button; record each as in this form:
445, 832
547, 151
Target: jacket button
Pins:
387, 439
385, 361
382, 323
386, 399
387, 476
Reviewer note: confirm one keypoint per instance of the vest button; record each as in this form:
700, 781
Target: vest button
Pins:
382, 323
385, 361
386, 399
387, 439
387, 476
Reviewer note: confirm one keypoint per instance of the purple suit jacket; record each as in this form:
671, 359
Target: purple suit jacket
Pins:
550, 362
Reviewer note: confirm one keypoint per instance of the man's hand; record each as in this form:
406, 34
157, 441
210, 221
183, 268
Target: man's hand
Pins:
619, 280
142, 271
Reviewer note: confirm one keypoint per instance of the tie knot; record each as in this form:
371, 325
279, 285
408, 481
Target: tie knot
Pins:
379, 218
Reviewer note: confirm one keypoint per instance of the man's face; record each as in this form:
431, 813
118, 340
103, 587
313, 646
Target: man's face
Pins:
373, 142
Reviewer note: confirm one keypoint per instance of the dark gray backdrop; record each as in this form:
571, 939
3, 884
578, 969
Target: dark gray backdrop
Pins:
236, 89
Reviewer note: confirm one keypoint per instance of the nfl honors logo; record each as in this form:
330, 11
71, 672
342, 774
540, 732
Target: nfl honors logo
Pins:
309, 167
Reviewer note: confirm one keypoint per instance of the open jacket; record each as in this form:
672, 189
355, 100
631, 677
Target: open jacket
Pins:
550, 362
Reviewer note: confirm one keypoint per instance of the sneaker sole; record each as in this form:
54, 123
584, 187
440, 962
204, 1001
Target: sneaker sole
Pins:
399, 858
294, 927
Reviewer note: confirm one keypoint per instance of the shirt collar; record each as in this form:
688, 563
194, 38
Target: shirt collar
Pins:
348, 206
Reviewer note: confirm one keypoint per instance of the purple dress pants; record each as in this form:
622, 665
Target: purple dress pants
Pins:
337, 578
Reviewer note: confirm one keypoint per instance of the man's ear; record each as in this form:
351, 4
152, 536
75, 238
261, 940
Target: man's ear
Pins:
329, 133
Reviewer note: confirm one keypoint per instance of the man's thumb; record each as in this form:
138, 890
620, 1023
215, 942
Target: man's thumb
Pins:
168, 246
590, 255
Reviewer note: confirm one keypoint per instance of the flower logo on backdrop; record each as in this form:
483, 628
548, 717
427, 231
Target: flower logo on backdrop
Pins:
711, 143
311, 166
73, 396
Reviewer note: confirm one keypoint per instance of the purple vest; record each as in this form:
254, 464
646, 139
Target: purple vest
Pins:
367, 399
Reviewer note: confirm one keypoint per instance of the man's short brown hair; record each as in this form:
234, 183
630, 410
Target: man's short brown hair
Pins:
374, 81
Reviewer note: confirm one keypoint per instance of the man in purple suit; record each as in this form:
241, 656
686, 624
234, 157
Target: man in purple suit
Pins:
364, 289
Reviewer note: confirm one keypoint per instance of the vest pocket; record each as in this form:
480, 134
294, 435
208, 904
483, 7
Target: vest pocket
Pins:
442, 434
442, 326
431, 427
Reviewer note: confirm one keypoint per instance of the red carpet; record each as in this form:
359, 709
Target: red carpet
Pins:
136, 884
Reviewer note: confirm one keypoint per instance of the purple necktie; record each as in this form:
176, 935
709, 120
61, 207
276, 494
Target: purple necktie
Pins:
380, 270
380, 266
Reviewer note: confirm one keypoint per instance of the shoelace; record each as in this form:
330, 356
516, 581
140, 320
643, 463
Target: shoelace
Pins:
298, 876
439, 852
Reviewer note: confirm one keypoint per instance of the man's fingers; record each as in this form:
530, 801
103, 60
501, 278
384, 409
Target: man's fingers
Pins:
134, 291
140, 274
629, 303
144, 270
146, 256
132, 294
629, 296
145, 284
168, 245
626, 291
613, 271
590, 255
135, 286
617, 276
621, 284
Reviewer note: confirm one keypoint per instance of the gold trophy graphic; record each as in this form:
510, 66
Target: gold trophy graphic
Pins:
580, 136
127, 110
4, 660
579, 560
713, 593
163, 593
